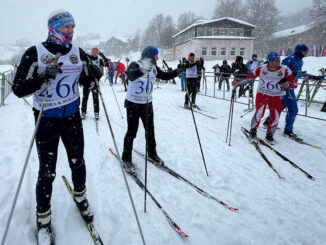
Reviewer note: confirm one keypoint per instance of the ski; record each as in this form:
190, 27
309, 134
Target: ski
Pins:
90, 226
142, 186
179, 177
255, 144
302, 142
282, 156
199, 112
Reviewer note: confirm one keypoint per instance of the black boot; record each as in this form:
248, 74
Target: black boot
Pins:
44, 230
269, 137
83, 206
129, 167
253, 133
158, 161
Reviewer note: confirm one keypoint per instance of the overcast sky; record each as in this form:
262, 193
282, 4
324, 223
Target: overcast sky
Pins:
28, 19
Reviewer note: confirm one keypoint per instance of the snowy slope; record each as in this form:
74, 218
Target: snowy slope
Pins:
271, 211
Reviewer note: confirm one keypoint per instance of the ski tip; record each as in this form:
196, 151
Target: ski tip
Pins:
229, 207
181, 232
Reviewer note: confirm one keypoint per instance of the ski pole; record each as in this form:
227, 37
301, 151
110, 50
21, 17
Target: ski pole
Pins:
121, 163
146, 139
116, 101
229, 129
55, 61
193, 117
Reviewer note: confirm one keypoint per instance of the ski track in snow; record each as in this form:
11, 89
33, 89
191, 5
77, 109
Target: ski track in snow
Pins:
271, 211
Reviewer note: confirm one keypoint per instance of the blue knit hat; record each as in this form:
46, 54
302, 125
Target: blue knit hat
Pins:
150, 52
57, 20
273, 56
301, 48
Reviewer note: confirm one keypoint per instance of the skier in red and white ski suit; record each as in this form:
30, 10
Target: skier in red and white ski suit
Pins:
273, 78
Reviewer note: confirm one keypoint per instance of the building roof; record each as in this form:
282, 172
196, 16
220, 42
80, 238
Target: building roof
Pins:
293, 31
204, 22
225, 37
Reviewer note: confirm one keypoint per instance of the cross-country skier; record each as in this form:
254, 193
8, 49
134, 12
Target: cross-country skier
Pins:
191, 67
139, 74
239, 71
273, 78
100, 62
201, 68
225, 70
61, 116
251, 66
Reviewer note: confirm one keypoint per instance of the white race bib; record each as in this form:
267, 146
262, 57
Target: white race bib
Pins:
268, 83
64, 89
137, 89
191, 72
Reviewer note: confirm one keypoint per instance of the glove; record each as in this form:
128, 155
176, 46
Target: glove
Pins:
51, 71
178, 71
94, 72
145, 65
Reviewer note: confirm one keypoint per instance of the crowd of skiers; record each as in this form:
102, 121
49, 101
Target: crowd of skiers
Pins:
62, 65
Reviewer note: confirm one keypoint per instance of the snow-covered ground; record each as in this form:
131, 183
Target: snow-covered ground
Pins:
271, 210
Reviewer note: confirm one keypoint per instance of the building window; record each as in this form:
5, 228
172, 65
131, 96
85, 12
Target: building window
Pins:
214, 51
242, 51
201, 31
223, 52
209, 31
233, 52
203, 51
224, 32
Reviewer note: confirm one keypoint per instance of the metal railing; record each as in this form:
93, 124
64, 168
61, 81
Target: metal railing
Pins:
311, 89
6, 80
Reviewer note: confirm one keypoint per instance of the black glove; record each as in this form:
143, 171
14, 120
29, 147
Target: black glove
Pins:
51, 71
94, 72
178, 71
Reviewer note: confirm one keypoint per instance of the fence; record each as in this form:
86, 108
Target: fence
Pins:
310, 94
6, 79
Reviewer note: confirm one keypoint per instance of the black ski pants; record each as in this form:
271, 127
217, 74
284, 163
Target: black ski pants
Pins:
192, 90
86, 92
50, 131
134, 112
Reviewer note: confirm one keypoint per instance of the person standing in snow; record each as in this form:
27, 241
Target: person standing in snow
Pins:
225, 75
61, 117
120, 68
100, 63
251, 66
273, 79
217, 72
139, 74
201, 68
239, 71
191, 67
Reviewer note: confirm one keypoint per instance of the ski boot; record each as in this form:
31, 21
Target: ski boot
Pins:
253, 133
269, 138
186, 106
129, 167
44, 230
157, 160
83, 206
292, 135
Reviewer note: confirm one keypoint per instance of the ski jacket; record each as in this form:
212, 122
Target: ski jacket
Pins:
27, 79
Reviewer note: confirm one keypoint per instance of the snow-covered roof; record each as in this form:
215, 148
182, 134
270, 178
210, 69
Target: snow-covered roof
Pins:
204, 22
122, 39
293, 31
225, 37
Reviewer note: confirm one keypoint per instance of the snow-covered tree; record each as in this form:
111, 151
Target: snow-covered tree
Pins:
159, 31
229, 8
186, 19
264, 14
318, 10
